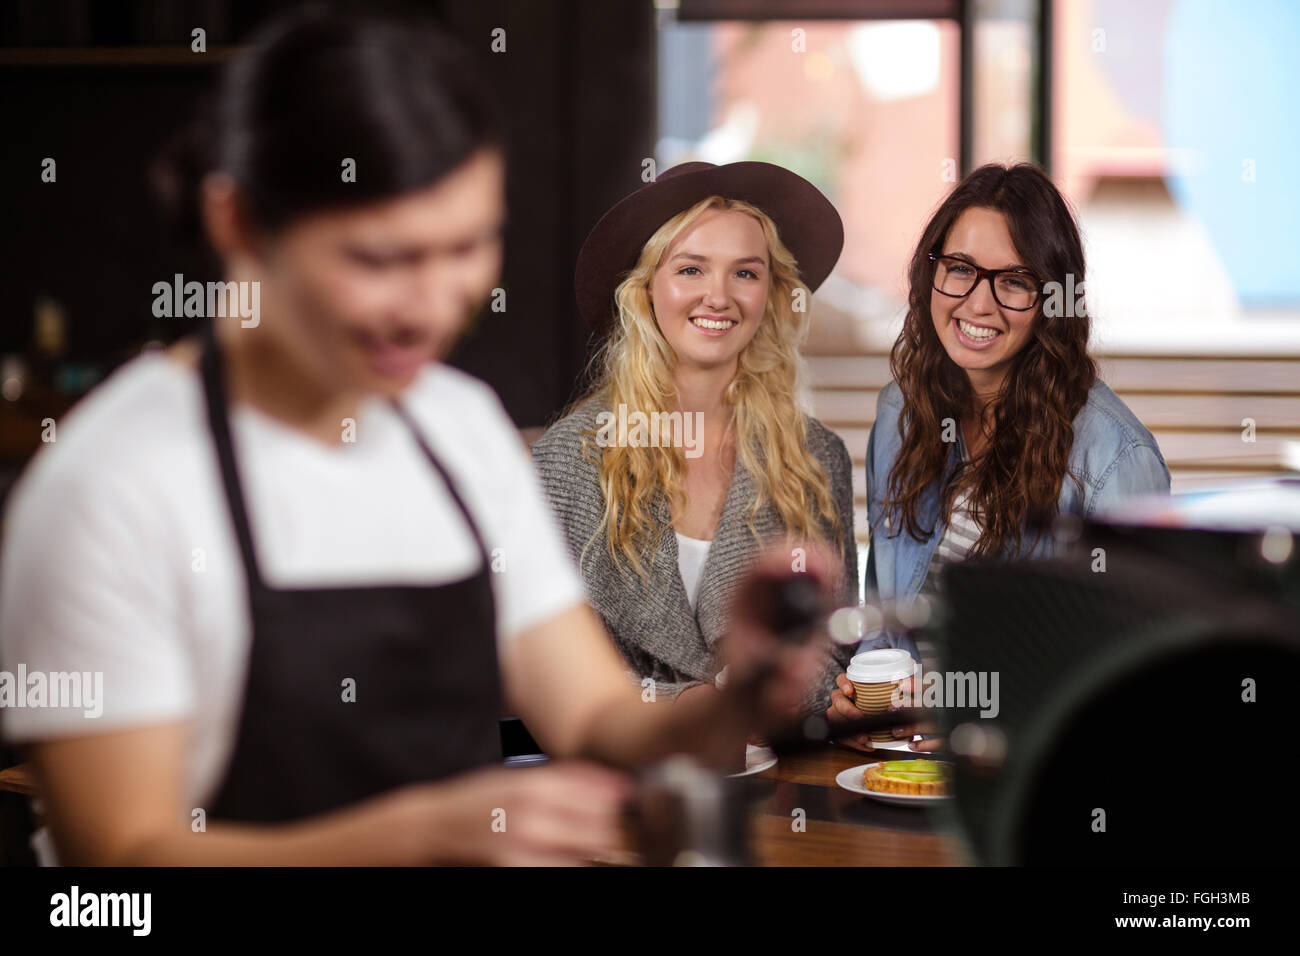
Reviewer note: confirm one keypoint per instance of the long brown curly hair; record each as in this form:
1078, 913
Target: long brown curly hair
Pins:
1016, 483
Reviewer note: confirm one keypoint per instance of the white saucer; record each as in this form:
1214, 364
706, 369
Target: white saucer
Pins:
757, 759
899, 744
851, 780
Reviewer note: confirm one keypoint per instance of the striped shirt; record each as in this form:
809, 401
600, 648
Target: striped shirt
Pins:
958, 538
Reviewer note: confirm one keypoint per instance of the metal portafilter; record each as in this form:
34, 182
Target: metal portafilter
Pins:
685, 814
793, 610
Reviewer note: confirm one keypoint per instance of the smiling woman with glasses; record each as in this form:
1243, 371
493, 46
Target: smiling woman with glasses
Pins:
995, 421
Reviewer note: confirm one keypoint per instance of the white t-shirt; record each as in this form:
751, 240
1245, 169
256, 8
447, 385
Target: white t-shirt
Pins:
120, 556
691, 554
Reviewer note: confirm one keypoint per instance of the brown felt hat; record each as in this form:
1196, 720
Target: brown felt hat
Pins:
805, 220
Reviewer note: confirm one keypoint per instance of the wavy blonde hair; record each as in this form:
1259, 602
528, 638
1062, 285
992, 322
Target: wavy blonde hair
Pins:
635, 368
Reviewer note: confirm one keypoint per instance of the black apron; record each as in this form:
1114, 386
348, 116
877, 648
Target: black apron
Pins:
423, 658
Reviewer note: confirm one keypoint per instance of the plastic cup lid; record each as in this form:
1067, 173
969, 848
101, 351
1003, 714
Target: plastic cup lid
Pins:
877, 667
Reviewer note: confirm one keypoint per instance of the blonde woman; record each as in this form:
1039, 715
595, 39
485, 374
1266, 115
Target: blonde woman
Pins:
690, 452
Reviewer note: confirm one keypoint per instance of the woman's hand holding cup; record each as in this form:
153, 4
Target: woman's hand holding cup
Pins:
905, 687
842, 709
878, 682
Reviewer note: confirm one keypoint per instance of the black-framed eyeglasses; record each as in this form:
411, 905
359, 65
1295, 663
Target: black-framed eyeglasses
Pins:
1013, 289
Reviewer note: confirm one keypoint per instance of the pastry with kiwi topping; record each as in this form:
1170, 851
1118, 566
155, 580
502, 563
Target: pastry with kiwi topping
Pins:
922, 778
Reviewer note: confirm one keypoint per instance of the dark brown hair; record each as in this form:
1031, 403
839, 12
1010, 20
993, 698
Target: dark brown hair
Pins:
386, 87
1016, 483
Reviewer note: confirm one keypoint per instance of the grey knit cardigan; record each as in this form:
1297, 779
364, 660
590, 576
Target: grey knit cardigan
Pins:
652, 622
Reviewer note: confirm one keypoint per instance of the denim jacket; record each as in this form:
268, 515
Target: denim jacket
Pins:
1113, 456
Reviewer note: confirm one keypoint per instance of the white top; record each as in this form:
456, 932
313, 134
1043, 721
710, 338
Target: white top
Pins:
120, 556
691, 553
